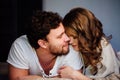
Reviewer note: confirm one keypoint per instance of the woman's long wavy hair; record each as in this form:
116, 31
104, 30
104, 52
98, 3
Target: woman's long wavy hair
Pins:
89, 31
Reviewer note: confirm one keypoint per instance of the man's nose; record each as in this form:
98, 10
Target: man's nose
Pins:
71, 41
67, 38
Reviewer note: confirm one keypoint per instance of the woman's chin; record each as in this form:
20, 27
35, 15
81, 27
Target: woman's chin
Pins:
75, 48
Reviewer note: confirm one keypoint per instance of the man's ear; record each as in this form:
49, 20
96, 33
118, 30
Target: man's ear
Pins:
42, 43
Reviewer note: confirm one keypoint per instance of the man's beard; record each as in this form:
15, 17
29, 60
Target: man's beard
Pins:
57, 51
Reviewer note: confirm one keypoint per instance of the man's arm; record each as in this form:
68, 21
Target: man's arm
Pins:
21, 74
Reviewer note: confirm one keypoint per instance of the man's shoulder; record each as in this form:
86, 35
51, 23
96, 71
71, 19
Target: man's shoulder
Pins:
21, 43
21, 40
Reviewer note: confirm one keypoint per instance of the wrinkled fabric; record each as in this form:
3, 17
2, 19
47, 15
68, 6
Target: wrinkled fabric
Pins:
110, 62
110, 77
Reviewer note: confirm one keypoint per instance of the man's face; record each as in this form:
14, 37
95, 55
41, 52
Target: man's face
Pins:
58, 41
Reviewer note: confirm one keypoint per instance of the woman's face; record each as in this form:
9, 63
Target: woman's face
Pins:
74, 42
73, 38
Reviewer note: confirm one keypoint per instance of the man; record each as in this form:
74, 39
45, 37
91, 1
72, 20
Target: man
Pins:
43, 50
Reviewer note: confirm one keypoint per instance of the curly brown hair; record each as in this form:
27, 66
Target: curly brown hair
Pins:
89, 31
40, 24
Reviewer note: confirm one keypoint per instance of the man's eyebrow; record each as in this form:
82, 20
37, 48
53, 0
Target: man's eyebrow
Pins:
61, 34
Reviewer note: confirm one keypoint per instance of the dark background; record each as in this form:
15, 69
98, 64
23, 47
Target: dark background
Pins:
13, 15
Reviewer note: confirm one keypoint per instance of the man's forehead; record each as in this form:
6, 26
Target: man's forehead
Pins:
58, 31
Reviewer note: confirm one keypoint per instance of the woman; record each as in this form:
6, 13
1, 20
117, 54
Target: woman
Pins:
87, 37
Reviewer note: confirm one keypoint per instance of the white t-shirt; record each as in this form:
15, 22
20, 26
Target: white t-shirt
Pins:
23, 56
110, 62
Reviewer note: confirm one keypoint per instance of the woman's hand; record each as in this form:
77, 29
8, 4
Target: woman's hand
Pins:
69, 72
66, 72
